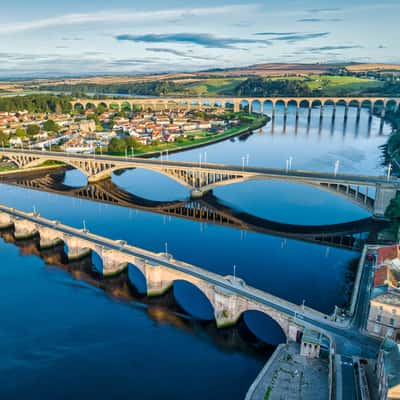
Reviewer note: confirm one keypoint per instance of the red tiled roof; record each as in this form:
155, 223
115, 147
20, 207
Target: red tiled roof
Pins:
381, 276
387, 253
384, 276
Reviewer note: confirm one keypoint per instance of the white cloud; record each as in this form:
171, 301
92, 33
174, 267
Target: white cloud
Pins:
121, 16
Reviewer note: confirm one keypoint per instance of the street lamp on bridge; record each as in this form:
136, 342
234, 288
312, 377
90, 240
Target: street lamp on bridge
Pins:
390, 167
336, 170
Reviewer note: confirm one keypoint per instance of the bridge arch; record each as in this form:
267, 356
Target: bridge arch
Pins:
392, 105
97, 262
268, 107
244, 105
114, 106
367, 104
304, 103
280, 107
79, 107
317, 104
256, 106
354, 107
229, 104
126, 106
379, 107
263, 326
192, 297
330, 107
292, 107
90, 106
137, 279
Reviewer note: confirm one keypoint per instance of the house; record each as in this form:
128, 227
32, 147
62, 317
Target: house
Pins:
384, 306
388, 370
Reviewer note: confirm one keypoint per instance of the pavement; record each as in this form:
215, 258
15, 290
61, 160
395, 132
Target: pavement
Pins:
290, 376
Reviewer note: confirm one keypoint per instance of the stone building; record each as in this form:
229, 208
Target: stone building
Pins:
384, 306
388, 370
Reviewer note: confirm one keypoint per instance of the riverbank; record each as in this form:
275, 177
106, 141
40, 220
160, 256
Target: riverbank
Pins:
287, 374
258, 122
13, 173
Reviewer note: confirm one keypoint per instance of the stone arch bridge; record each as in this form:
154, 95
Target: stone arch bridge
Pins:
188, 103
228, 295
200, 178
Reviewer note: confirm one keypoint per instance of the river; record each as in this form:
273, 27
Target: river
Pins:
64, 338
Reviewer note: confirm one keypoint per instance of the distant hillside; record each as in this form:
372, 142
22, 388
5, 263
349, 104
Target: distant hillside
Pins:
373, 67
275, 69
327, 78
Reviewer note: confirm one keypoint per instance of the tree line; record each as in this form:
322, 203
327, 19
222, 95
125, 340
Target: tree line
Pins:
153, 88
36, 103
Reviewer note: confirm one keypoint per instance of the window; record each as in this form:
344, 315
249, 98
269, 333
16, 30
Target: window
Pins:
390, 332
391, 321
378, 318
394, 311
377, 328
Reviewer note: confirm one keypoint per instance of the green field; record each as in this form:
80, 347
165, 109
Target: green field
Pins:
214, 86
329, 84
339, 85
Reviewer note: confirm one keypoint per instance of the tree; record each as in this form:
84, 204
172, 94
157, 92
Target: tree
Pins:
3, 138
20, 132
33, 130
51, 126
117, 145
131, 142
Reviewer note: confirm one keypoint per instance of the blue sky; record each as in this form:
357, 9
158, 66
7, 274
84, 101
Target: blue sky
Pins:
46, 37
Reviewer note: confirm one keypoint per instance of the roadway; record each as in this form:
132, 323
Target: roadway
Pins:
262, 173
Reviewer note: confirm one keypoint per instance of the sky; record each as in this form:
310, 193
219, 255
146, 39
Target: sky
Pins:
82, 37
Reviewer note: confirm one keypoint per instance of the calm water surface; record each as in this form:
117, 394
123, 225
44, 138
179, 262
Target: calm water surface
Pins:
62, 338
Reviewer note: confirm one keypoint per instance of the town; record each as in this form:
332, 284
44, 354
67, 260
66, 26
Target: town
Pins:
106, 130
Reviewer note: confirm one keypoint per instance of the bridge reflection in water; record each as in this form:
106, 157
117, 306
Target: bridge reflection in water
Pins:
209, 209
162, 309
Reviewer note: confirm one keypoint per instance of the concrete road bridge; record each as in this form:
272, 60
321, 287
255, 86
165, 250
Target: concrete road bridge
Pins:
201, 178
236, 103
348, 235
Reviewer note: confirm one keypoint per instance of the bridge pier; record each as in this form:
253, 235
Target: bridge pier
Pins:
48, 238
112, 263
158, 280
76, 248
24, 229
383, 197
5, 221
